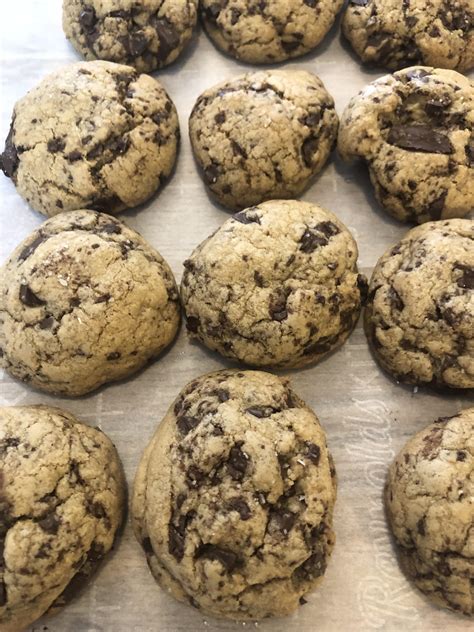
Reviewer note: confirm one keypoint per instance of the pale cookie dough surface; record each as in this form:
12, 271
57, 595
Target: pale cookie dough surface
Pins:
394, 34
429, 505
268, 31
276, 285
62, 496
146, 34
84, 300
234, 497
415, 131
420, 309
91, 135
263, 135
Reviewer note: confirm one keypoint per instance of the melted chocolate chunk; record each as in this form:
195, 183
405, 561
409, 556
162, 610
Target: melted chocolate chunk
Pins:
50, 523
239, 505
9, 158
29, 298
284, 519
466, 281
168, 36
229, 560
55, 145
359, 3
310, 241
87, 18
111, 229
261, 411
186, 423
435, 209
246, 217
237, 462
192, 324
420, 138
30, 248
177, 534
314, 567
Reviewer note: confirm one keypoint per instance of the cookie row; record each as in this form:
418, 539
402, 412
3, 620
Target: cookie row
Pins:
98, 135
233, 503
153, 33
85, 300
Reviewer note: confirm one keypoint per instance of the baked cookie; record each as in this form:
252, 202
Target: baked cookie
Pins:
234, 497
91, 135
394, 34
62, 502
276, 285
146, 34
415, 130
263, 135
84, 300
429, 506
266, 32
420, 310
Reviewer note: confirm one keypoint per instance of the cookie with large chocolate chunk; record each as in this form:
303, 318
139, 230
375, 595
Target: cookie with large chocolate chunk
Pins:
276, 285
415, 131
84, 300
146, 34
420, 310
262, 32
61, 504
429, 506
91, 135
263, 135
395, 34
234, 497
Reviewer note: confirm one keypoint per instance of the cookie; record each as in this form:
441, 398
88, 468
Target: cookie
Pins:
394, 34
84, 300
276, 285
429, 506
420, 309
62, 502
146, 34
261, 32
91, 135
414, 129
234, 497
263, 135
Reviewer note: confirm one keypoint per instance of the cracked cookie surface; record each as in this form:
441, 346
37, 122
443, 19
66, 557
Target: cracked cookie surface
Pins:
146, 34
428, 497
394, 34
263, 135
84, 300
415, 131
268, 31
276, 285
420, 309
234, 496
62, 496
91, 135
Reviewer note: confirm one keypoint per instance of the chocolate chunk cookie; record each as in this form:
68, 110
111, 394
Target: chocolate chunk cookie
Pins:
84, 300
262, 31
234, 497
429, 505
91, 135
394, 34
415, 130
61, 503
420, 309
276, 285
146, 34
263, 135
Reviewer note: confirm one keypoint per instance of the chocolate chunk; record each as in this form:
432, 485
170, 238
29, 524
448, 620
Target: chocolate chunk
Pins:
420, 526
460, 455
470, 151
87, 18
310, 241
176, 542
436, 106
192, 324
246, 217
110, 229
327, 228
168, 36
258, 278
223, 395
97, 510
137, 43
277, 307
395, 299
46, 323
29, 298
308, 149
466, 281
363, 286
115, 355
359, 3
212, 12
55, 145
261, 411
314, 567
50, 523
290, 45
238, 150
3, 594
239, 505
220, 118
284, 519
237, 462
186, 423
211, 174
420, 138
30, 248
9, 158
323, 345
435, 209
194, 476
432, 441
229, 560
313, 452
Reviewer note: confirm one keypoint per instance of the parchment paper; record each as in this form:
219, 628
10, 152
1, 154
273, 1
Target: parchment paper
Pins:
367, 416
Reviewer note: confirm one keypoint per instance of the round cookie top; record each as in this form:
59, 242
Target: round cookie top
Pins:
62, 501
262, 135
276, 285
234, 496
84, 300
429, 505
415, 131
266, 32
394, 34
146, 34
91, 135
420, 309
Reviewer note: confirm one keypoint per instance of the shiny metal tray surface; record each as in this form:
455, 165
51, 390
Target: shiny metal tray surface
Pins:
367, 417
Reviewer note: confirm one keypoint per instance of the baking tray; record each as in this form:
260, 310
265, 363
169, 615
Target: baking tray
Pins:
367, 416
